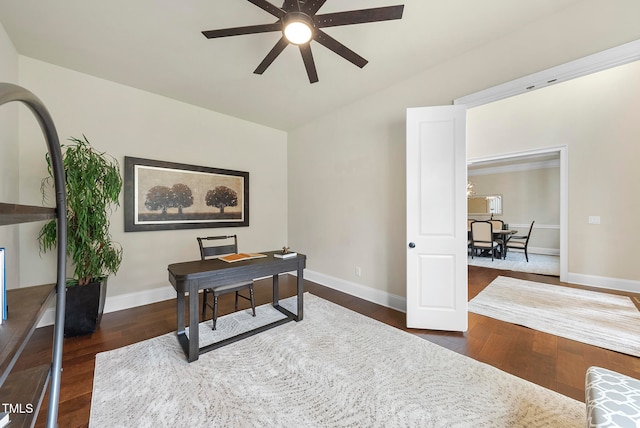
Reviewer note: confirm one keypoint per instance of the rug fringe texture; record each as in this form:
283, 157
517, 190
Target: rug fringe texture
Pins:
336, 368
605, 320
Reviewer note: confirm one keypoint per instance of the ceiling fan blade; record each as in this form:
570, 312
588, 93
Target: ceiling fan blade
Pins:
272, 55
268, 7
330, 43
312, 6
309, 64
359, 16
236, 31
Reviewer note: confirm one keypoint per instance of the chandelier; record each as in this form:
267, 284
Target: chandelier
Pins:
470, 191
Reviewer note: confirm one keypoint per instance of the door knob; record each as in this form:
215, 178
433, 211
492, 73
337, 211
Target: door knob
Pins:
412, 245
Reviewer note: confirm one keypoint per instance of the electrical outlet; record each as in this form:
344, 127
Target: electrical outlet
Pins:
594, 219
358, 271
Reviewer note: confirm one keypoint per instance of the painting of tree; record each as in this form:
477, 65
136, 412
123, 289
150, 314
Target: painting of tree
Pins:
162, 197
182, 196
222, 197
159, 198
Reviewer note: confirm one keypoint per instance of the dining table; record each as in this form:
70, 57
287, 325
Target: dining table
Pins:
503, 235
498, 234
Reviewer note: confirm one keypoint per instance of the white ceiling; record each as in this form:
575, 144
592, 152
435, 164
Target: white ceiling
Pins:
156, 46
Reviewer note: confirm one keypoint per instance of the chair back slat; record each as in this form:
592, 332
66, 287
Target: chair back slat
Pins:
207, 251
497, 225
481, 231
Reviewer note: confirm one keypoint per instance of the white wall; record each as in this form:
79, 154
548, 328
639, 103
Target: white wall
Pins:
596, 117
347, 169
128, 122
9, 235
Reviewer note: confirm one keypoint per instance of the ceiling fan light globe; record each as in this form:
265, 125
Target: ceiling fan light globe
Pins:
298, 33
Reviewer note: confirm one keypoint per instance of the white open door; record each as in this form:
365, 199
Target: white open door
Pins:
436, 218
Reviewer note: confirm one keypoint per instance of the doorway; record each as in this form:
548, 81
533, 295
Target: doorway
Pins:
519, 200
604, 60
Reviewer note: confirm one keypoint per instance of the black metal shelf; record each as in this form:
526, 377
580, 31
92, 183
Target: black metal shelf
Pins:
27, 305
24, 390
15, 214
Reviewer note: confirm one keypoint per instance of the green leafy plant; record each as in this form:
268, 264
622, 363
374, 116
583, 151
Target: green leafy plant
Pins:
93, 185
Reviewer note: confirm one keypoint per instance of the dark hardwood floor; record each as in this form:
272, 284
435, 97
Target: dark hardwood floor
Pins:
553, 362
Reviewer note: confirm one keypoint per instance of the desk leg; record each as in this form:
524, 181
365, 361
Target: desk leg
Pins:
194, 320
276, 290
180, 312
185, 343
300, 286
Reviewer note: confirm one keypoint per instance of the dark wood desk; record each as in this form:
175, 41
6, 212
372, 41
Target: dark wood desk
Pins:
190, 277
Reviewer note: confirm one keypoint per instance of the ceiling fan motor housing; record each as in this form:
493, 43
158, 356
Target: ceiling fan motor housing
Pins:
298, 27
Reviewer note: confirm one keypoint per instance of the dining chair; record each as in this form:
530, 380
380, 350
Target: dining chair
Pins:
497, 226
469, 221
520, 242
482, 238
226, 244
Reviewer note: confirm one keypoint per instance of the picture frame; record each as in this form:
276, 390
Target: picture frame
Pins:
160, 195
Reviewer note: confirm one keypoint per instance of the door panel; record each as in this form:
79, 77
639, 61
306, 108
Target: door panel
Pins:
436, 181
437, 294
436, 218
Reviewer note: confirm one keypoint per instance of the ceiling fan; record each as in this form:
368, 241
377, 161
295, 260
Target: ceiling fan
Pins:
299, 24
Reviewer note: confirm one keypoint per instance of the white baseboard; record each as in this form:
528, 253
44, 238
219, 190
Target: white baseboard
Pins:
124, 301
545, 251
358, 290
604, 282
400, 303
131, 300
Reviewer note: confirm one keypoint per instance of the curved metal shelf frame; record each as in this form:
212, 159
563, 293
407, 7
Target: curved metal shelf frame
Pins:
9, 93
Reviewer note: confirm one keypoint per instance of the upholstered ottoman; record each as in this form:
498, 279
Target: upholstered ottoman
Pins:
612, 399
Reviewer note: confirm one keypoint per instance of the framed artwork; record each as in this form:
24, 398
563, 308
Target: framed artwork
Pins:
162, 195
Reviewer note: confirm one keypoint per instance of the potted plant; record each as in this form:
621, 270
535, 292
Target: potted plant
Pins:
93, 185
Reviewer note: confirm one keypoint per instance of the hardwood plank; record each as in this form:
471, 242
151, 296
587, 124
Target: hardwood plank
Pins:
555, 363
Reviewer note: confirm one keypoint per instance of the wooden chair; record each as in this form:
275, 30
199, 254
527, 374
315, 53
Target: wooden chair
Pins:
482, 238
208, 251
498, 225
520, 242
469, 221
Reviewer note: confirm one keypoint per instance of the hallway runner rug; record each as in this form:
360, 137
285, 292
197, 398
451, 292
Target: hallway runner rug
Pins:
600, 319
336, 368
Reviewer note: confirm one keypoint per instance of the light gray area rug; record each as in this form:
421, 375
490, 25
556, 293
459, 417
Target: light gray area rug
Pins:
538, 263
237, 323
605, 320
336, 368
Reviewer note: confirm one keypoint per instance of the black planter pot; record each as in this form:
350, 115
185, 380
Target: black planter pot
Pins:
84, 308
